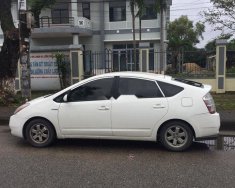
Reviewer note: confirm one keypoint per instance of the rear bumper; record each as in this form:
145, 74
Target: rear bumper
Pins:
206, 125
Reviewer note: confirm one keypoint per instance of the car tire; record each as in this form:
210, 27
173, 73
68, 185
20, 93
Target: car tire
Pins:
176, 136
40, 133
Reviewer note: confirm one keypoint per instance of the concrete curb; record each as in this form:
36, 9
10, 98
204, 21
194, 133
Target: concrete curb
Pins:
5, 113
4, 122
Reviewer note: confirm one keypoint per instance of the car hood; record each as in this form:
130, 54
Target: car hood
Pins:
36, 100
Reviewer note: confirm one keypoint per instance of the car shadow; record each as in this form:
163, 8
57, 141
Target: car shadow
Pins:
121, 145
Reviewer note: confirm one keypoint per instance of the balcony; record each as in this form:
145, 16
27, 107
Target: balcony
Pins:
62, 27
46, 21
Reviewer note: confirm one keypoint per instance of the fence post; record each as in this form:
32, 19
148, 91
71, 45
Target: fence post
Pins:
76, 61
220, 65
144, 56
220, 142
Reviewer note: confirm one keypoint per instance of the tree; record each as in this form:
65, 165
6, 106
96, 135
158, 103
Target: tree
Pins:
183, 34
140, 12
37, 6
133, 16
133, 5
211, 45
9, 54
63, 68
161, 6
10, 50
221, 16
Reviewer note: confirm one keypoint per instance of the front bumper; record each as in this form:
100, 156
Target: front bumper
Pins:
16, 125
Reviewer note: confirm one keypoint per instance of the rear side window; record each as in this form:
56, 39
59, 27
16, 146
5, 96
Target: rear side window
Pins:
169, 90
138, 87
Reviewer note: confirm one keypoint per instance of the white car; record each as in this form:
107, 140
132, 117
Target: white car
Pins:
122, 105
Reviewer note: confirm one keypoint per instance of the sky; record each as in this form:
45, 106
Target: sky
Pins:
192, 9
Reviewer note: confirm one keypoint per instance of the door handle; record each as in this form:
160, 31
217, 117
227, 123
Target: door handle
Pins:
103, 108
158, 106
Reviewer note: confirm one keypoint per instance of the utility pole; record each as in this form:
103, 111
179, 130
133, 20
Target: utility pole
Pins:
24, 34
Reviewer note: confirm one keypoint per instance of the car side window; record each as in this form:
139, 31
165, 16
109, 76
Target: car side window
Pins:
92, 91
169, 90
138, 87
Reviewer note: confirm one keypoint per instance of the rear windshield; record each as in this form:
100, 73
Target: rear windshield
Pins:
169, 90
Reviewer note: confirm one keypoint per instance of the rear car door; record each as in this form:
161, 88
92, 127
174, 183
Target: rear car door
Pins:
138, 107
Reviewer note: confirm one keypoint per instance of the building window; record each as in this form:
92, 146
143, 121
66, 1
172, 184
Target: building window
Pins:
86, 10
117, 11
60, 13
149, 11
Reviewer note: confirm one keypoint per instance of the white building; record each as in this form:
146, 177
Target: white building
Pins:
95, 36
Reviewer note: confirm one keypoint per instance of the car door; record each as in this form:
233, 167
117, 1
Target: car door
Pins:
87, 111
138, 107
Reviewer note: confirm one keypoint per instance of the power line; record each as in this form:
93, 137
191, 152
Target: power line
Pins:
128, 11
104, 1
180, 4
188, 8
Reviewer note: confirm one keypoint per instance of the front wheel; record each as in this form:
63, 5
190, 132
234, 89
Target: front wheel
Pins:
176, 136
40, 133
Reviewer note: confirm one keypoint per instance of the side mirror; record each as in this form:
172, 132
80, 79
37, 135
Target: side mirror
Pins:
65, 98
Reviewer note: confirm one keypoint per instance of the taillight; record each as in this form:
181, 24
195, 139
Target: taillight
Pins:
209, 102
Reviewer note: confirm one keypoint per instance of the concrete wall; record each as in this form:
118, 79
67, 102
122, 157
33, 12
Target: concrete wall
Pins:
229, 83
211, 82
148, 36
44, 73
91, 43
95, 15
52, 41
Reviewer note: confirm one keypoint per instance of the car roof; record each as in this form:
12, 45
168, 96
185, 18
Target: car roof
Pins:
136, 74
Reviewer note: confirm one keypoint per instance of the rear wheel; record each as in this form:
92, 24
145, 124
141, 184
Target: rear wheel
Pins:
176, 136
40, 133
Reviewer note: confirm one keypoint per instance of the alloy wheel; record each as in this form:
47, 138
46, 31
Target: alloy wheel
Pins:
39, 133
176, 136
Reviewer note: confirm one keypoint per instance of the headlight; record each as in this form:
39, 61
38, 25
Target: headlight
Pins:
21, 107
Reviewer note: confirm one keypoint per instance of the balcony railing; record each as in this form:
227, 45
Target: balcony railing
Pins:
46, 21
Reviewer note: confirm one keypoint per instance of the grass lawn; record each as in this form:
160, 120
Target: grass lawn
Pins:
224, 101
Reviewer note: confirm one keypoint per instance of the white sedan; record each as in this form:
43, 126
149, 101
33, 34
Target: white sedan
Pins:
126, 105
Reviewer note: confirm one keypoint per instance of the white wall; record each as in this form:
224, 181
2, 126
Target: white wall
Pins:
44, 74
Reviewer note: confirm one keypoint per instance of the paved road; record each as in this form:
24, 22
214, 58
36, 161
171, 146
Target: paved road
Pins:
92, 163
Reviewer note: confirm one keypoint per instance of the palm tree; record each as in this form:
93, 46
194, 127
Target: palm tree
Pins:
132, 8
140, 5
161, 6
